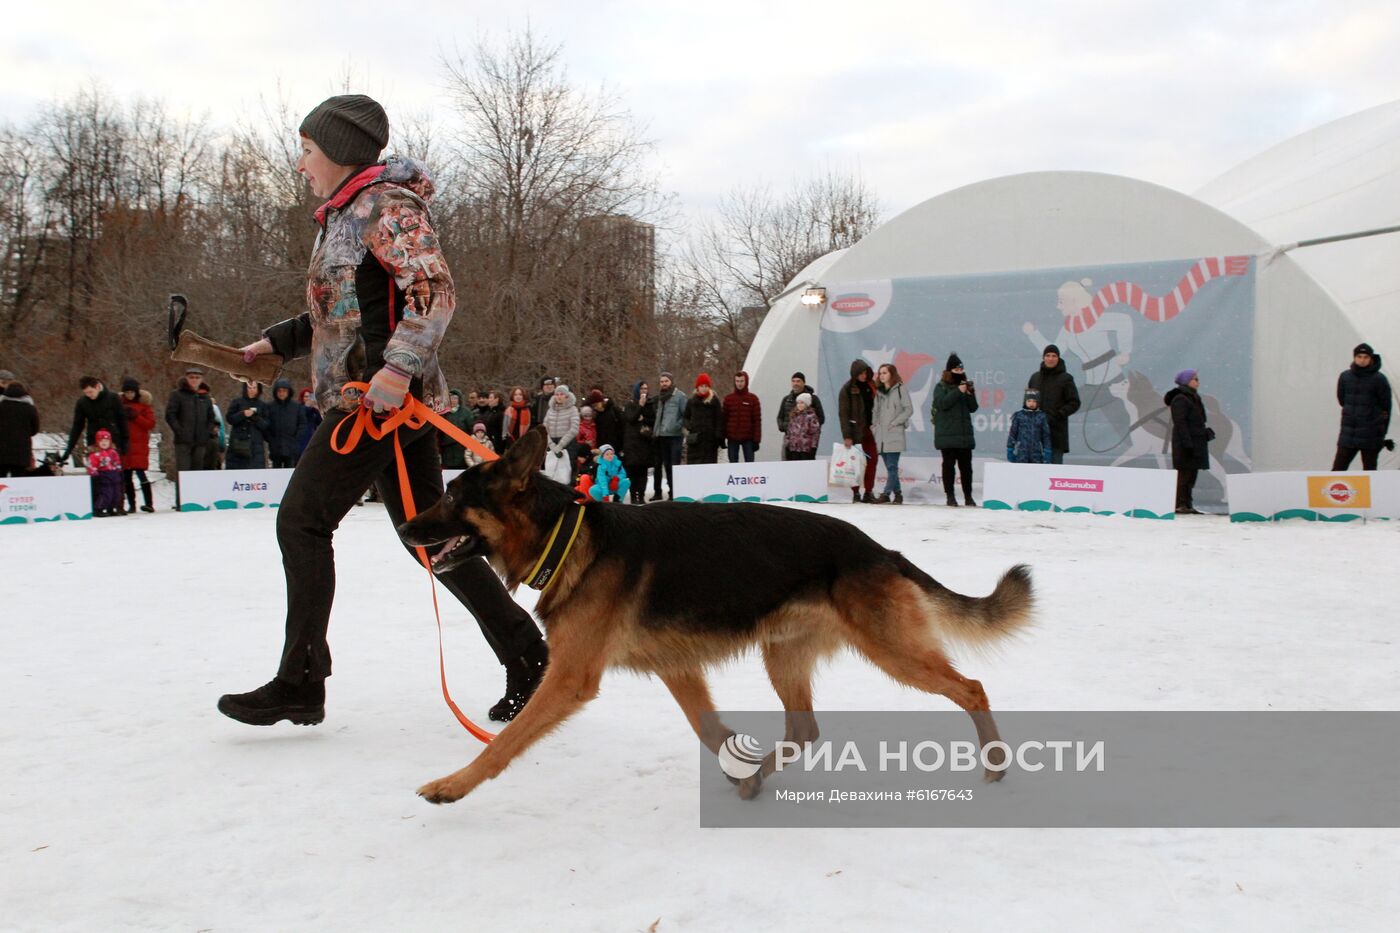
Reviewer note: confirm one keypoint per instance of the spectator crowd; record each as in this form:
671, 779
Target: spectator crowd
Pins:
614, 448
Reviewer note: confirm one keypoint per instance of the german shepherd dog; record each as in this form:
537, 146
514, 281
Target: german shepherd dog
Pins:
641, 589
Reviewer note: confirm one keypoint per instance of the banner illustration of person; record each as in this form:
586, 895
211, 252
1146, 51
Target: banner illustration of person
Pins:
1122, 341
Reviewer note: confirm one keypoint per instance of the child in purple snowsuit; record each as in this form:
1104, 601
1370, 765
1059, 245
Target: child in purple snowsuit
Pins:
105, 468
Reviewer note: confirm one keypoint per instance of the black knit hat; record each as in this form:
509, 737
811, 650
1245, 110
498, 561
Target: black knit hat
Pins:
129, 384
1050, 348
351, 129
1363, 348
954, 361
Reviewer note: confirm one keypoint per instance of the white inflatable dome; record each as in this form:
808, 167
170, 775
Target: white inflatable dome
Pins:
1049, 220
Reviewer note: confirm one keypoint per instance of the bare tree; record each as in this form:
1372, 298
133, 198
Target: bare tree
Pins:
735, 264
544, 164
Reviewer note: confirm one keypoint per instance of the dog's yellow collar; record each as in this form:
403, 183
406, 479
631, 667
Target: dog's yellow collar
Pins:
556, 551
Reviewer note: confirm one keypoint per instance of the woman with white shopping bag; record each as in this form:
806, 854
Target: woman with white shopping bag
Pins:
561, 423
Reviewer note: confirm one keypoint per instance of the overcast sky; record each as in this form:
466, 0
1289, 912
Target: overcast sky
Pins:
919, 97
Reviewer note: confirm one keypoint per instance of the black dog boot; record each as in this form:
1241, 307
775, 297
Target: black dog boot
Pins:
522, 677
303, 704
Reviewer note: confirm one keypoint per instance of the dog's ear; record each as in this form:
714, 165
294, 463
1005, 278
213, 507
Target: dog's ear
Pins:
523, 458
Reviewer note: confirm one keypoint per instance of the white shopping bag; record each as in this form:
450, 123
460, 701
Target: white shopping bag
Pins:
845, 466
557, 468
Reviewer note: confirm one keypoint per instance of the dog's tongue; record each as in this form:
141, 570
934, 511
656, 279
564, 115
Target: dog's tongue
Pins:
447, 546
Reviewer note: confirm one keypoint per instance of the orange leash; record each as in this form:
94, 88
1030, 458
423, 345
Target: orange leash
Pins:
413, 415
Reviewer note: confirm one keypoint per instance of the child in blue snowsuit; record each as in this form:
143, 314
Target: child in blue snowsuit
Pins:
609, 470
1029, 438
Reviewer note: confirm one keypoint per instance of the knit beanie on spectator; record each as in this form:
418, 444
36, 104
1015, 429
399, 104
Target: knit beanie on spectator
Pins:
351, 129
954, 361
1050, 348
703, 380
805, 398
479, 426
1030, 394
130, 385
596, 397
1185, 376
1363, 348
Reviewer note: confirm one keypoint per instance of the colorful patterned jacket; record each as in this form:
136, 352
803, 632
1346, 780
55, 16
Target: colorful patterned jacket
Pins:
378, 290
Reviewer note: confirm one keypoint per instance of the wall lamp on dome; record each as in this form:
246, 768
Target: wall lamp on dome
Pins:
814, 297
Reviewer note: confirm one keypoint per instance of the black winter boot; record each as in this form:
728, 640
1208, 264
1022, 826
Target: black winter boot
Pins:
303, 704
522, 677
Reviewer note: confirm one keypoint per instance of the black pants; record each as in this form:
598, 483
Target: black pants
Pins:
1185, 483
667, 451
959, 458
188, 457
322, 489
799, 454
637, 477
129, 487
280, 462
1346, 454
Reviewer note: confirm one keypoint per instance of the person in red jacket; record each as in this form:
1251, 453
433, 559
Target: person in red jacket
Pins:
743, 420
136, 456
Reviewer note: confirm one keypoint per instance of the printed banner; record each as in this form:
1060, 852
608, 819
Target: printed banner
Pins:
44, 499
1315, 497
1124, 331
203, 490
781, 481
1032, 487
1054, 769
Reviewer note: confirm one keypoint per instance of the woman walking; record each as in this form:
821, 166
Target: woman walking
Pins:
379, 298
893, 409
954, 401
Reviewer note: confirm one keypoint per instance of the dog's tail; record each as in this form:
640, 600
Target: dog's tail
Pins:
979, 619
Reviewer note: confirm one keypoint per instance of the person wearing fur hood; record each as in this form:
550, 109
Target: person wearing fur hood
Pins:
561, 424
136, 457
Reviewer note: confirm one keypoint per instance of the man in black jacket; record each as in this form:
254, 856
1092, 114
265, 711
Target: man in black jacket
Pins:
97, 409
799, 385
1059, 398
190, 416
1364, 395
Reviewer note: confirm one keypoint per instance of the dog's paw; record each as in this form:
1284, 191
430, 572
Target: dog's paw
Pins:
750, 786
443, 790
991, 777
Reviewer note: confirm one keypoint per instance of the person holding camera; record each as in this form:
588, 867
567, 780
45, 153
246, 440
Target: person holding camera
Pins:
247, 425
637, 419
954, 401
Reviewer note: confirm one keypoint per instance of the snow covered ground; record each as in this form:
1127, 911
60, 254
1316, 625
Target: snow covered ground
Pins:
130, 803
